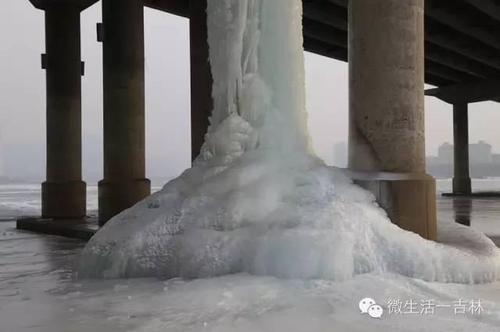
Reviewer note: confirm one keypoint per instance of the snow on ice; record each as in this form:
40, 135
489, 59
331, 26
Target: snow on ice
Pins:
258, 200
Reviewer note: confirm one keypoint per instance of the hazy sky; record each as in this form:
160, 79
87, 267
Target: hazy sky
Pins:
22, 96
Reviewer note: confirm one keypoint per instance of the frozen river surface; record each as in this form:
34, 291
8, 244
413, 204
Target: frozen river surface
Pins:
38, 293
257, 200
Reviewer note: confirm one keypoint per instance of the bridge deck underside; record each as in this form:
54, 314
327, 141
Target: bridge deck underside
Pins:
462, 39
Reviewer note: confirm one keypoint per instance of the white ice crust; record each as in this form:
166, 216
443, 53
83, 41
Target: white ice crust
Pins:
257, 199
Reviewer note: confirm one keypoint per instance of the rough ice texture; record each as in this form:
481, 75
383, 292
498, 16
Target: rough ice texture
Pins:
257, 199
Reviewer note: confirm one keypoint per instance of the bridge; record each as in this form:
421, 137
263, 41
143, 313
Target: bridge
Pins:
392, 47
462, 54
462, 41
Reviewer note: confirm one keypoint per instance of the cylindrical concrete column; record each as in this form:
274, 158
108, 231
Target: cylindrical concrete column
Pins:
462, 206
64, 192
386, 114
124, 182
461, 178
201, 75
386, 63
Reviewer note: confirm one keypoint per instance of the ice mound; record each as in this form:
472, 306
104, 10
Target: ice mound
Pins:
257, 199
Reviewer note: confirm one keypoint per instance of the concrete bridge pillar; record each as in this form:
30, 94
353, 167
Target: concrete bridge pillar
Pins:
63, 192
461, 179
124, 182
386, 116
201, 76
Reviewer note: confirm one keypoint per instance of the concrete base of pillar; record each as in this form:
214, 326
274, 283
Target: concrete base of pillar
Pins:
82, 229
462, 186
478, 194
114, 196
64, 200
409, 199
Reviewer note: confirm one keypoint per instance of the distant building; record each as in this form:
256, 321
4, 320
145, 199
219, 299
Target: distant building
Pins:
480, 153
445, 154
340, 155
432, 160
483, 163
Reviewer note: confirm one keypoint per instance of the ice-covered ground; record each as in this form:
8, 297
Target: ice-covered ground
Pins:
17, 199
38, 294
288, 243
276, 240
258, 200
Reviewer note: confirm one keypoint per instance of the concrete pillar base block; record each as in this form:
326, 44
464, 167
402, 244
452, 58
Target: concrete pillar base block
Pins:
82, 229
64, 200
409, 199
462, 186
116, 196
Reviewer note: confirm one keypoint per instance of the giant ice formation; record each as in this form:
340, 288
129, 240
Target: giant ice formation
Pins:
257, 199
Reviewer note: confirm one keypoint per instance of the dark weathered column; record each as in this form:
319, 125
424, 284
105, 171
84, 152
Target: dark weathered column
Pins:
64, 192
201, 76
124, 182
461, 179
386, 109
463, 210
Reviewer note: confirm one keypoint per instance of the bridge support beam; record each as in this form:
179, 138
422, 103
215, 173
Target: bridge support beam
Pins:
201, 76
386, 125
461, 178
124, 182
63, 192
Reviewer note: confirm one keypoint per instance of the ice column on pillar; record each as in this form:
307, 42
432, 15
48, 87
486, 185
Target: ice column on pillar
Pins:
124, 182
386, 116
